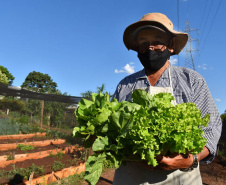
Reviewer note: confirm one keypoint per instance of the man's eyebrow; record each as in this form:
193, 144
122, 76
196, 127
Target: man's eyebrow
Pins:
142, 38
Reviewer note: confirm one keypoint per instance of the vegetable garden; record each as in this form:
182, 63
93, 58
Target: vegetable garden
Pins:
39, 158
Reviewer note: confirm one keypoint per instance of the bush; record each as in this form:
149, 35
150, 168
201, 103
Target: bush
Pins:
9, 127
24, 119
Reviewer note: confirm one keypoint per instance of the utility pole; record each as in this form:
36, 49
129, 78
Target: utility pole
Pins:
189, 61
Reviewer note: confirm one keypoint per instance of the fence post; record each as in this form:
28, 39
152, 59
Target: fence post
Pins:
42, 110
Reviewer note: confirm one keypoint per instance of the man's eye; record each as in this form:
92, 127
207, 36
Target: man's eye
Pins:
145, 44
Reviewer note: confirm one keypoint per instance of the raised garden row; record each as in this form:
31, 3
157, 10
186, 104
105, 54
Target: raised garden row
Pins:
43, 166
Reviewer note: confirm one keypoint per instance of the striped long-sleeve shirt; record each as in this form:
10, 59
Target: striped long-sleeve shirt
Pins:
188, 86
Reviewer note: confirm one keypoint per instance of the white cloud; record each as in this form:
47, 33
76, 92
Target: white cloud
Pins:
173, 61
126, 69
129, 69
119, 71
203, 66
217, 99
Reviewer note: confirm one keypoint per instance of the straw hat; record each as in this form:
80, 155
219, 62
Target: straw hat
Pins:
158, 21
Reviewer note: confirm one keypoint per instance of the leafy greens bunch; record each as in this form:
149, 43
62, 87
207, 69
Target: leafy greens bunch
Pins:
147, 127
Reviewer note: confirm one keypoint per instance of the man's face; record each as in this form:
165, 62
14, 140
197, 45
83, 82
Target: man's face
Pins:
152, 39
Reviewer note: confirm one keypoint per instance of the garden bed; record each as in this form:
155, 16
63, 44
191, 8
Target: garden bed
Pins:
34, 143
47, 157
40, 166
21, 136
36, 149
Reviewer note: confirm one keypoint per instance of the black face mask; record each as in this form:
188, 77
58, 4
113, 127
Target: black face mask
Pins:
152, 60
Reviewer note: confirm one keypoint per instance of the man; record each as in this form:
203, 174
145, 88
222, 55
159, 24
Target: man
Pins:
154, 39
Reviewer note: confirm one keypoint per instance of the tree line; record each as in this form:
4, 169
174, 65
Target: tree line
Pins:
54, 113
30, 110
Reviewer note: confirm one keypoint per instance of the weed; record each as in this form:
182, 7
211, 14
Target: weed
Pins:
73, 162
10, 157
77, 179
24, 172
57, 165
59, 155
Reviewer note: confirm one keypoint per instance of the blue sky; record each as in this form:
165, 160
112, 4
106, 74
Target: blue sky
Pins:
79, 42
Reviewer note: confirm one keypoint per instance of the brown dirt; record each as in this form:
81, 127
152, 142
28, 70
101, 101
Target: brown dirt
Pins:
213, 173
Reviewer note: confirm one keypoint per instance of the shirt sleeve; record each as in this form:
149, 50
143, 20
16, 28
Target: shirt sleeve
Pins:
116, 94
204, 101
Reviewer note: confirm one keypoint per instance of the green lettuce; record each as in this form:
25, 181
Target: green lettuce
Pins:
141, 129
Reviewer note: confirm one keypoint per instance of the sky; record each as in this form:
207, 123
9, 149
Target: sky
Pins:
79, 44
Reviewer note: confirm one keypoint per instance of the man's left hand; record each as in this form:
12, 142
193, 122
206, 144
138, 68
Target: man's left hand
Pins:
175, 162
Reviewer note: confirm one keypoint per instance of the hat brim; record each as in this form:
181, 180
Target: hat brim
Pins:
180, 38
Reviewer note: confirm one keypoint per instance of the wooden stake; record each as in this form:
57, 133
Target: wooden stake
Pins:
31, 178
42, 111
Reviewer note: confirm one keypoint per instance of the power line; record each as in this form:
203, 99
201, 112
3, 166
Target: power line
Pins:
211, 24
207, 18
178, 22
203, 15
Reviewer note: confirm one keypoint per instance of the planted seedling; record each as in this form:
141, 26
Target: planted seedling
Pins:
25, 147
57, 165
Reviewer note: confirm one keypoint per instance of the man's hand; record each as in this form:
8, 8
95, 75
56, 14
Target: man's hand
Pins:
176, 162
170, 162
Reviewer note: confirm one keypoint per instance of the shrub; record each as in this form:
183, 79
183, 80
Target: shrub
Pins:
24, 119
9, 127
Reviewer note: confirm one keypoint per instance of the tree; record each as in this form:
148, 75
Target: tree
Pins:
87, 94
39, 82
3, 78
223, 117
8, 74
11, 104
101, 89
